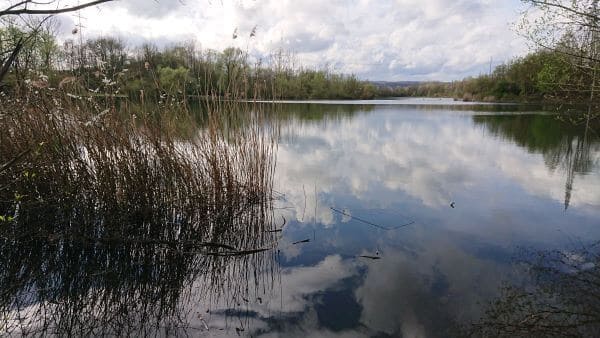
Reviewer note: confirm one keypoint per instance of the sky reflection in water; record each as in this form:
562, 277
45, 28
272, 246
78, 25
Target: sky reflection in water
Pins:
390, 165
348, 175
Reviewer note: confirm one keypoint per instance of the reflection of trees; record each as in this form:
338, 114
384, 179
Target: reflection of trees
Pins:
566, 146
562, 298
315, 112
324, 112
577, 158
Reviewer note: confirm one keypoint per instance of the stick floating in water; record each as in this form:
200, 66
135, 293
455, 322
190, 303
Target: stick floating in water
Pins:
237, 253
372, 224
369, 257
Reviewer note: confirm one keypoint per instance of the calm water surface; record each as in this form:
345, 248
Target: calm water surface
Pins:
399, 219
478, 187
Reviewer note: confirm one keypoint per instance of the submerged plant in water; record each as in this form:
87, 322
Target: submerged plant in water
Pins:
559, 299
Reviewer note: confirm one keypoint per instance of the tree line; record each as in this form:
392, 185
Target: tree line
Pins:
563, 66
543, 75
108, 65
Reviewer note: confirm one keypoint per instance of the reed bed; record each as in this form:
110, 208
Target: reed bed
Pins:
107, 219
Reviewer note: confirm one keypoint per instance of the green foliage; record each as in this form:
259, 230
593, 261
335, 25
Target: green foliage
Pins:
37, 57
173, 79
106, 66
554, 74
4, 218
541, 75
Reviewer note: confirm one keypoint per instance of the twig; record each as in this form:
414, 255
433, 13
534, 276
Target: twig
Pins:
370, 257
372, 224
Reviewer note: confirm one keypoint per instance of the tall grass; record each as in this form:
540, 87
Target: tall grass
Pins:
108, 218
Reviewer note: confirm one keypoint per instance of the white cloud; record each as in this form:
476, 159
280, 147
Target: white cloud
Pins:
383, 40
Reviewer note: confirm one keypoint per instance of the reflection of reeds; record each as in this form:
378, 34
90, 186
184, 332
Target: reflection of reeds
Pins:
107, 221
559, 299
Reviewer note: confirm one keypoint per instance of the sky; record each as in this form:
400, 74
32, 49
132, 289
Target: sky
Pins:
391, 40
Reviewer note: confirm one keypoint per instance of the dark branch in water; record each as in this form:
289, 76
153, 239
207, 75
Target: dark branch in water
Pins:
369, 257
160, 242
232, 250
372, 224
302, 241
237, 253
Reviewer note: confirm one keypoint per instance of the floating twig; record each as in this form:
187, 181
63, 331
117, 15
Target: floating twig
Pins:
159, 242
237, 253
369, 257
370, 223
302, 241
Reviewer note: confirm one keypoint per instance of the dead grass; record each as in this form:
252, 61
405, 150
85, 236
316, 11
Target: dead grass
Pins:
107, 215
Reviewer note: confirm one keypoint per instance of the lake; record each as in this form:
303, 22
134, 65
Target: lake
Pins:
405, 217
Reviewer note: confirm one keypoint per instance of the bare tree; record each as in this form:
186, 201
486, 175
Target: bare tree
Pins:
33, 7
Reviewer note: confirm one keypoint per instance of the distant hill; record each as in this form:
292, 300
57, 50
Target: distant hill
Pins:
396, 84
403, 84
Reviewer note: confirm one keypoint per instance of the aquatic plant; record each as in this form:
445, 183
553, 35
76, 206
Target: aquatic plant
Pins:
558, 298
109, 218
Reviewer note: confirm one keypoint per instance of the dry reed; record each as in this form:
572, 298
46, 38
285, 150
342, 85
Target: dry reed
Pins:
107, 221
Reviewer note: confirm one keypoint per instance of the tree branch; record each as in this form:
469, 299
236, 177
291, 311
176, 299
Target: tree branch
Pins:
12, 11
563, 7
6, 65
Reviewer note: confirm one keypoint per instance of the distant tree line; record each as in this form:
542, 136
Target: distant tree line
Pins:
542, 75
563, 66
108, 65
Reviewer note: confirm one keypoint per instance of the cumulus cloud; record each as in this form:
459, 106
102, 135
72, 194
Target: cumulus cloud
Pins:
154, 8
379, 40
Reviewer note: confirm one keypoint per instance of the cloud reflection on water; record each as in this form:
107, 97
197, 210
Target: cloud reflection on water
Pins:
427, 159
393, 164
